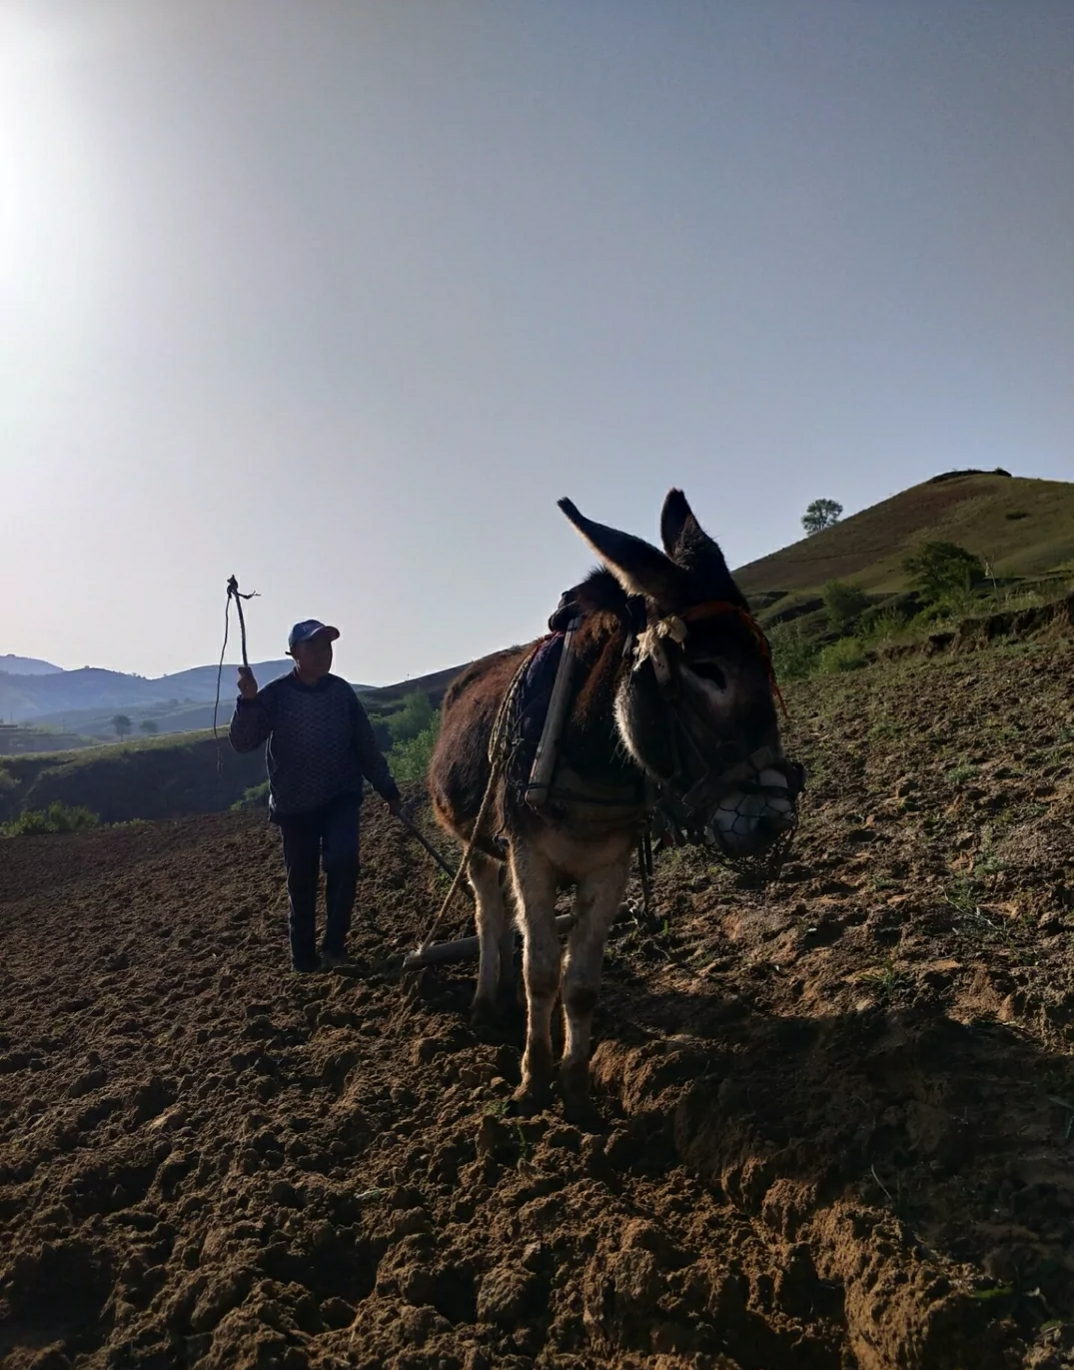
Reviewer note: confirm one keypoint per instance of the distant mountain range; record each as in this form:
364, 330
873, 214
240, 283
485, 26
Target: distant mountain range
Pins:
85, 701
26, 665
29, 695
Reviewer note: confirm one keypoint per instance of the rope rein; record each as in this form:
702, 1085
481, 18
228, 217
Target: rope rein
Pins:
499, 747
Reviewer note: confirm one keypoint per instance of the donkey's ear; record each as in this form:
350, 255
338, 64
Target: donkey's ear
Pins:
675, 516
639, 568
691, 548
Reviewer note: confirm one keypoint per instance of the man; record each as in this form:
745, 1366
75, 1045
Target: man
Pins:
320, 749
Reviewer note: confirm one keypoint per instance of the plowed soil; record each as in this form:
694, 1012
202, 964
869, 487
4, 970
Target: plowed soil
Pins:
839, 1109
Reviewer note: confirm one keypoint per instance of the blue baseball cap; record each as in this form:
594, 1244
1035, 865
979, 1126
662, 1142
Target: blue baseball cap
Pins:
309, 627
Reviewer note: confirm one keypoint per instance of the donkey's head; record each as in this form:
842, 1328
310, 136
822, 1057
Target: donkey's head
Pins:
696, 708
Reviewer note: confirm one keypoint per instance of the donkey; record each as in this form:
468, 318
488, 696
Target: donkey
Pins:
673, 695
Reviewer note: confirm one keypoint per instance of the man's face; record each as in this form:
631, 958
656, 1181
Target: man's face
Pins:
314, 656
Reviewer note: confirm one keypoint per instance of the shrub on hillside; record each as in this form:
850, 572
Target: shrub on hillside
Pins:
256, 797
944, 572
793, 655
59, 817
381, 731
409, 760
415, 716
845, 655
844, 604
881, 626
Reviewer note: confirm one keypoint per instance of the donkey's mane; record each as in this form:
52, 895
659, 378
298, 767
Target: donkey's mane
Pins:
600, 592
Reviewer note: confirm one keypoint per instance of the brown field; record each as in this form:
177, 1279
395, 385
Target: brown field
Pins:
839, 1111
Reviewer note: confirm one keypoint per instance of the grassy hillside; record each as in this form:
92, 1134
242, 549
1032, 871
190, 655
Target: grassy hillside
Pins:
385, 699
1024, 528
163, 778
184, 718
173, 776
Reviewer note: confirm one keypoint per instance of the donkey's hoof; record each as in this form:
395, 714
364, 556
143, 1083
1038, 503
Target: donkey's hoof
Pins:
484, 1014
529, 1099
578, 1108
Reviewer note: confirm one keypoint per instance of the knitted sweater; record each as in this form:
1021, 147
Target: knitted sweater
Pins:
321, 744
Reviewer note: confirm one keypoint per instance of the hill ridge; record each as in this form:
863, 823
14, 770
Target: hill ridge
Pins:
1022, 526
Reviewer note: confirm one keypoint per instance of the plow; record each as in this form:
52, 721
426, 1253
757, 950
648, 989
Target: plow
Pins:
432, 953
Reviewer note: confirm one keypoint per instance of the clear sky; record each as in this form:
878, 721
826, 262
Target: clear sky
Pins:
342, 295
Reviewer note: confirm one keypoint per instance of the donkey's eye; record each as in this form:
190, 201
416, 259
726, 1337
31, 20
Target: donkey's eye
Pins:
708, 670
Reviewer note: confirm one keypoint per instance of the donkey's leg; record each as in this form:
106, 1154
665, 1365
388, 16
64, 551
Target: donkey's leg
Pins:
534, 881
493, 926
597, 902
507, 995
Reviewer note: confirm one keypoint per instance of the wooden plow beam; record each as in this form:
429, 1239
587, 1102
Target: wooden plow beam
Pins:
467, 948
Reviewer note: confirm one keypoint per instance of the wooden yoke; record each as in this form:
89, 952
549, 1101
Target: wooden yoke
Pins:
539, 787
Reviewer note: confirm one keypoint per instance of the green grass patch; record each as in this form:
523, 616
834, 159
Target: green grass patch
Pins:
58, 817
409, 760
794, 656
847, 654
255, 797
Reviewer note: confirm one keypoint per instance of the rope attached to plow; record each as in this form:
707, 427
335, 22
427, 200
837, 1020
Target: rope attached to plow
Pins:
499, 747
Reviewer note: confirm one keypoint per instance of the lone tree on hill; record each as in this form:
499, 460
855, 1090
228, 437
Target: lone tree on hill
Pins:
943, 570
821, 514
149, 726
121, 725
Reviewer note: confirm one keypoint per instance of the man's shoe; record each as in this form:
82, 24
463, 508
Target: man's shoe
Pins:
335, 960
306, 967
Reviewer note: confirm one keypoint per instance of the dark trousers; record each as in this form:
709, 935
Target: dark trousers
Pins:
331, 833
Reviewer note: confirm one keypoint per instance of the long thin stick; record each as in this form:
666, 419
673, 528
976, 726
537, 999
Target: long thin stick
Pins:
486, 804
220, 672
444, 953
498, 747
444, 865
232, 594
233, 589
